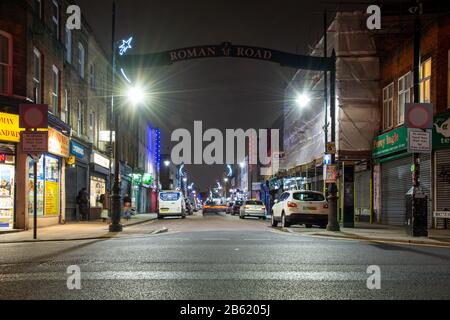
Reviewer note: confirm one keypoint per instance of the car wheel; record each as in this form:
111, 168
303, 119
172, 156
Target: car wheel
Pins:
273, 221
284, 223
323, 226
308, 226
160, 217
241, 216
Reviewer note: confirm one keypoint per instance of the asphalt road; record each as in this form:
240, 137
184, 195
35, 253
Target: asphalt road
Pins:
222, 257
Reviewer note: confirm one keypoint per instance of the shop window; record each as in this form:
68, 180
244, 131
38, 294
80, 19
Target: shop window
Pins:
48, 186
98, 187
37, 78
388, 107
405, 91
81, 60
6, 63
55, 90
425, 81
7, 183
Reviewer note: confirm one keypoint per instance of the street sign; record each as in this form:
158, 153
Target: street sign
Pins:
33, 116
35, 142
330, 173
419, 115
331, 148
419, 141
327, 159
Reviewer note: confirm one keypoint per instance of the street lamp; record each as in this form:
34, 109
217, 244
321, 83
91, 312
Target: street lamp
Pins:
302, 100
167, 163
135, 95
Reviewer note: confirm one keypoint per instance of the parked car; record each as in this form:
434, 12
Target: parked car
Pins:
189, 207
253, 208
230, 208
300, 207
237, 207
171, 204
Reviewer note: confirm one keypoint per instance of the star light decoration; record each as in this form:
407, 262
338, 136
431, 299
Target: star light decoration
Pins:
126, 44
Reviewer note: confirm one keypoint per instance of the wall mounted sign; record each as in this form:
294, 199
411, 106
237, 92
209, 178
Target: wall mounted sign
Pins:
441, 131
58, 144
391, 142
100, 160
33, 116
419, 115
77, 150
9, 127
419, 141
35, 142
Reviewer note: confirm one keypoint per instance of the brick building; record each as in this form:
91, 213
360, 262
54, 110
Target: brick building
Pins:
43, 62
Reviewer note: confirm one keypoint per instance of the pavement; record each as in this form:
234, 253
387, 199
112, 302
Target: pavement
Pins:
73, 231
370, 232
218, 257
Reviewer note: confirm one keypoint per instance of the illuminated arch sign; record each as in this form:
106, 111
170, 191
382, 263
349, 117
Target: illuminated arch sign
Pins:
228, 50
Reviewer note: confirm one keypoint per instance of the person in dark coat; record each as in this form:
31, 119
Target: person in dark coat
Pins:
127, 207
83, 204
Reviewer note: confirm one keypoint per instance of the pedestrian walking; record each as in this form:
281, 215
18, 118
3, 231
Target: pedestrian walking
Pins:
127, 207
105, 201
83, 204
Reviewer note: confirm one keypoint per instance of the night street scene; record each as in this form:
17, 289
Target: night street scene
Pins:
224, 157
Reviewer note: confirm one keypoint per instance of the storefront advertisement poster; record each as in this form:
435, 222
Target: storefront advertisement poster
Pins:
441, 131
51, 198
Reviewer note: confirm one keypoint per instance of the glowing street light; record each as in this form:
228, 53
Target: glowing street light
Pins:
302, 100
135, 95
167, 163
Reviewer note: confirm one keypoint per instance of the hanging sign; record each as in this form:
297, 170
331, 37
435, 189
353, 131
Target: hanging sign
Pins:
33, 116
419, 141
330, 173
419, 115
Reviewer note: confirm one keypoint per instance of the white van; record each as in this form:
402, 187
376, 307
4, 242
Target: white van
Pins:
171, 204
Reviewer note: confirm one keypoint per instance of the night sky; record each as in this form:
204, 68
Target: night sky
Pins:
223, 93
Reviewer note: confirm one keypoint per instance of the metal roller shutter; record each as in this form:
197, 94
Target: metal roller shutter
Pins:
362, 193
396, 180
425, 182
442, 176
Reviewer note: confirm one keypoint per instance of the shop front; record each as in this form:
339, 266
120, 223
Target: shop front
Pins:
395, 177
50, 181
98, 182
441, 147
9, 138
363, 191
77, 177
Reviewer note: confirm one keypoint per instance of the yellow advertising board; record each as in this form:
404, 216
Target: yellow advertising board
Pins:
58, 144
9, 127
51, 198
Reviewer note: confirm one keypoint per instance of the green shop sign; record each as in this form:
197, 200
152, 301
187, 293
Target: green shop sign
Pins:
391, 142
441, 131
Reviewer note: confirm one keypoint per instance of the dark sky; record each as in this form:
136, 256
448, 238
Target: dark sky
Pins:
223, 93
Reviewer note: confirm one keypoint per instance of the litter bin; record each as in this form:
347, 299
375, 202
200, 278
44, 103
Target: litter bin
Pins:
416, 218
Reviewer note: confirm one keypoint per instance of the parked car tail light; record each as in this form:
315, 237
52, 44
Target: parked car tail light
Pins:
263, 208
246, 207
325, 206
291, 205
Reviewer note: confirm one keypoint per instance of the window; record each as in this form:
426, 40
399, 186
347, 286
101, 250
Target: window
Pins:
55, 19
448, 82
65, 107
405, 91
37, 79
38, 8
92, 137
388, 106
6, 64
68, 45
80, 118
55, 91
425, 81
81, 58
308, 196
92, 76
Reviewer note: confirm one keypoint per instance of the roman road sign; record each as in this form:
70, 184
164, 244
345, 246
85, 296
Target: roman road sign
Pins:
227, 50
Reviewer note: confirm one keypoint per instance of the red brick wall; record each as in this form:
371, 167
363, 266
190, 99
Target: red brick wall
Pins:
435, 44
17, 27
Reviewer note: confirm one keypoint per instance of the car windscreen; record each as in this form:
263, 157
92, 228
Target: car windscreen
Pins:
239, 203
254, 203
308, 196
169, 196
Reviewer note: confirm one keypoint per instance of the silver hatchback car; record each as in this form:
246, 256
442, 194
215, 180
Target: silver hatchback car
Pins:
253, 208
